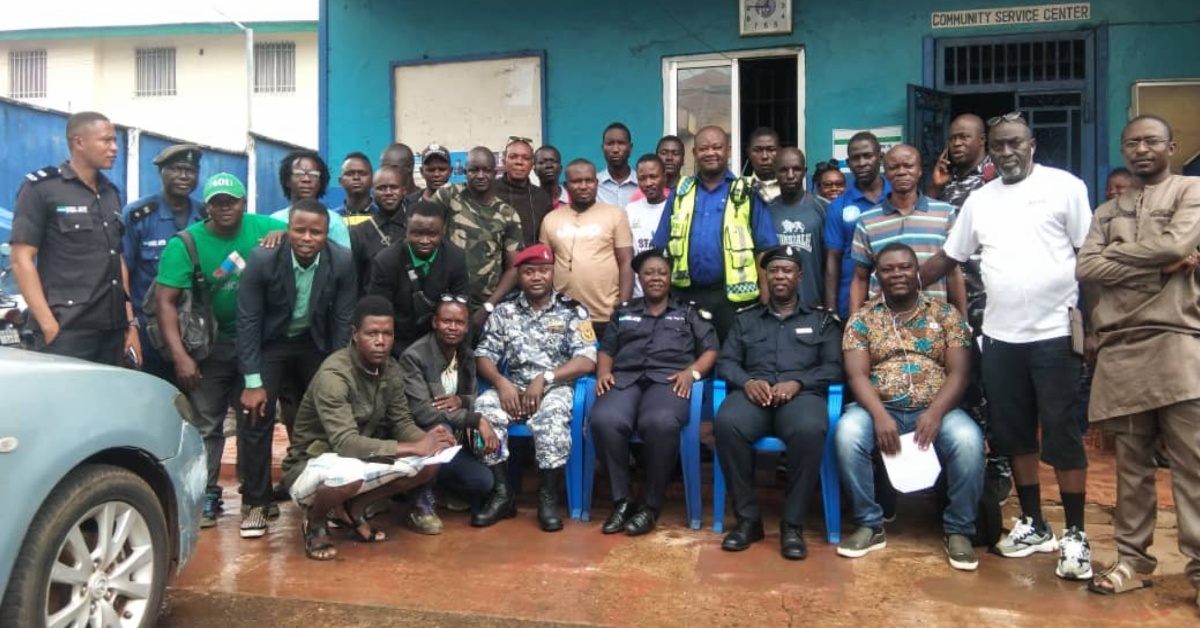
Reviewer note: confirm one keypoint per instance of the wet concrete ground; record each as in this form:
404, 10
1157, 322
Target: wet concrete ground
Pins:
513, 573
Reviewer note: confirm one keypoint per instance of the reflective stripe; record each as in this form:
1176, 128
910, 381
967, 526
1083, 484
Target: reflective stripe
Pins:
741, 271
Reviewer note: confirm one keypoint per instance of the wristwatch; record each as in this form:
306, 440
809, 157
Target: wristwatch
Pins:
696, 374
489, 307
548, 376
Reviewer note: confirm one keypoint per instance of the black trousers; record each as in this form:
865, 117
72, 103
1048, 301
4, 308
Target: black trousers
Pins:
713, 299
658, 415
105, 346
800, 423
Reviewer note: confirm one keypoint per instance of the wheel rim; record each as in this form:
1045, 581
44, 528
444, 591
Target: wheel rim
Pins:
103, 572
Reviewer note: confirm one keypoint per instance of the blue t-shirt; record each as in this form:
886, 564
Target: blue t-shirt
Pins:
706, 250
840, 220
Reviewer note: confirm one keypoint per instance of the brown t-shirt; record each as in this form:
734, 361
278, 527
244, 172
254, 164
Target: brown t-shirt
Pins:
585, 262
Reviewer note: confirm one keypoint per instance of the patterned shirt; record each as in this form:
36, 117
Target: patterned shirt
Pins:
484, 232
924, 229
907, 352
532, 342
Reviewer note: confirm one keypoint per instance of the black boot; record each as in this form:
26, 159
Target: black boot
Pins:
548, 516
500, 504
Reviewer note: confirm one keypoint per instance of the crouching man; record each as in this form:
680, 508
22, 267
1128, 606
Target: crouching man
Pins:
907, 362
355, 440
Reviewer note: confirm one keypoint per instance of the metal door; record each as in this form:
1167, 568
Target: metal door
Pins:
928, 124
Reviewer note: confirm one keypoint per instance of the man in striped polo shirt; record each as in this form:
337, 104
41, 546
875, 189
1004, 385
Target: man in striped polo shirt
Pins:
904, 215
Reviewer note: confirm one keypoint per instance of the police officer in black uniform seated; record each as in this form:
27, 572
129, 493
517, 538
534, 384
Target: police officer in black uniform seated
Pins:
779, 360
651, 352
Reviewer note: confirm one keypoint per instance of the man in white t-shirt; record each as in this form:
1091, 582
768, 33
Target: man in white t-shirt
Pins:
645, 211
1029, 225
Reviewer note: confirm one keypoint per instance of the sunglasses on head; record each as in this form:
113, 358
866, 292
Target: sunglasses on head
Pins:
1008, 117
457, 298
516, 138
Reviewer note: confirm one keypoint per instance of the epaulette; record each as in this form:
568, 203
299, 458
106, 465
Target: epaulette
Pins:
704, 314
748, 308
42, 174
580, 310
139, 213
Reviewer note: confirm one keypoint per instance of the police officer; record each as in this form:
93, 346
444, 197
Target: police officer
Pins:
651, 352
149, 223
66, 251
779, 361
547, 341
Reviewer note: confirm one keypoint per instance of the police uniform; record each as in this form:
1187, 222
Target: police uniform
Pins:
149, 223
806, 347
77, 233
646, 349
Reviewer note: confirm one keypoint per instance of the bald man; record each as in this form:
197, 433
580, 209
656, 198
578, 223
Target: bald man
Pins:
904, 215
400, 156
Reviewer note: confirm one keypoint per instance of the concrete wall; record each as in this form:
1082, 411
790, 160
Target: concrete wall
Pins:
210, 72
604, 60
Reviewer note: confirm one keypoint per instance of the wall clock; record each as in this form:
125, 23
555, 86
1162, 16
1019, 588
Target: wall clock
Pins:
765, 17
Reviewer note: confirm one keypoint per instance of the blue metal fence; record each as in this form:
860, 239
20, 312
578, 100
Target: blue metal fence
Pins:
214, 161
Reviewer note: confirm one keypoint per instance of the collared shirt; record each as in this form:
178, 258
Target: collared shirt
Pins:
656, 347
149, 224
421, 265
563, 198
338, 231
907, 352
484, 232
535, 341
531, 202
77, 232
304, 281
925, 229
840, 220
804, 346
706, 244
615, 192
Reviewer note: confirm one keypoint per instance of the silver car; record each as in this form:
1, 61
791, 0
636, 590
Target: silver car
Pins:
101, 483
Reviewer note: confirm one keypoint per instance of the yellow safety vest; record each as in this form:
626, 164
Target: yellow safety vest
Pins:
741, 271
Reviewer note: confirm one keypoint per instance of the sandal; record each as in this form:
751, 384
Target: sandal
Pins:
1117, 578
372, 536
314, 547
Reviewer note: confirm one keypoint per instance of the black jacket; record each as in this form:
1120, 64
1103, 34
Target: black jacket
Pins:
394, 278
422, 364
805, 347
267, 296
371, 236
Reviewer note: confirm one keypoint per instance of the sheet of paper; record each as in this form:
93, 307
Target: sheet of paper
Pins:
442, 457
912, 470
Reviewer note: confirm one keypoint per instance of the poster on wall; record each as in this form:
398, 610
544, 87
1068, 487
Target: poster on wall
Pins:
889, 137
458, 169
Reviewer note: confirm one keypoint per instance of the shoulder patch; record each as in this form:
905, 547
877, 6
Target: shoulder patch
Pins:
582, 312
42, 174
705, 314
137, 214
586, 331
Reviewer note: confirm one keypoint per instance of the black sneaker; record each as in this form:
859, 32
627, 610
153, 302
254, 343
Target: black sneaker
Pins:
861, 542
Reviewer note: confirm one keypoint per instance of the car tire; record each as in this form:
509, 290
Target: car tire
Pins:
127, 585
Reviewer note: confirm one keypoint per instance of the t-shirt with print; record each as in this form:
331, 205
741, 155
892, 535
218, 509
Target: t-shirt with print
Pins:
643, 220
801, 225
1027, 234
221, 259
585, 262
907, 352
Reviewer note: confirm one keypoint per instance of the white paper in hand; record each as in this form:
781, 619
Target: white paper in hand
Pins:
442, 457
912, 470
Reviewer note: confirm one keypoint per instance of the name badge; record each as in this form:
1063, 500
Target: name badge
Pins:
804, 330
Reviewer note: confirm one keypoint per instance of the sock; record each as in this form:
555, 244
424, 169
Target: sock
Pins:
1031, 503
1073, 510
423, 502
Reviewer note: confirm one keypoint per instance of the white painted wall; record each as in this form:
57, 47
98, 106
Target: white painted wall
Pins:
210, 78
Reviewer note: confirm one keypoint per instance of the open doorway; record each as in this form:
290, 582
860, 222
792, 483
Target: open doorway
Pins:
768, 93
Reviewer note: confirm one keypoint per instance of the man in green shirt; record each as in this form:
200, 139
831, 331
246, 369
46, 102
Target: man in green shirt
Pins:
223, 242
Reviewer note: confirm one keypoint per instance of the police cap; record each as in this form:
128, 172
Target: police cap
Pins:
784, 251
641, 258
187, 153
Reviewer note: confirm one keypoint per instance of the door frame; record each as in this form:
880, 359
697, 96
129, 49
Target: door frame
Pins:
672, 65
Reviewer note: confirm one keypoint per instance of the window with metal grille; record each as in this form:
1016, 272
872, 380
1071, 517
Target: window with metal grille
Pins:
155, 72
1003, 63
275, 67
27, 74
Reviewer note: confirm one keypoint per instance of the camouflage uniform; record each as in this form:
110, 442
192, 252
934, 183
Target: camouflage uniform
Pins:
485, 233
530, 343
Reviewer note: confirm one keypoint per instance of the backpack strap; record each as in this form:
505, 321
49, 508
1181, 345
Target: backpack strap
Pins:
199, 282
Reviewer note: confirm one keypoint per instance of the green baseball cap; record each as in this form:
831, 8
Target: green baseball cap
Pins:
223, 183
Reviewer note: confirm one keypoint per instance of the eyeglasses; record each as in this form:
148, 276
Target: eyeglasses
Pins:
517, 138
1151, 142
311, 174
456, 298
1008, 117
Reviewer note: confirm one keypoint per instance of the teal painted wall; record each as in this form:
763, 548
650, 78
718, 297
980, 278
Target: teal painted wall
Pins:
604, 59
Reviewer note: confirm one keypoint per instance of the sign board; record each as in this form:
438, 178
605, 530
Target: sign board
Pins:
1039, 14
889, 136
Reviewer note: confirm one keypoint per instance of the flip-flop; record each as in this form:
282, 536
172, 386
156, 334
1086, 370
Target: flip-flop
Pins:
1120, 579
312, 545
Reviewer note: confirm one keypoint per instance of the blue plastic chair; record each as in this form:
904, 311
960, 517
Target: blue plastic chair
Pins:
830, 485
689, 457
574, 469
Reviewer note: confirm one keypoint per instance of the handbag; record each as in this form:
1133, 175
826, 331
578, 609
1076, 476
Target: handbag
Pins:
197, 326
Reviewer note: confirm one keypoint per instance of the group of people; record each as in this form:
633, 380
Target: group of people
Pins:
411, 320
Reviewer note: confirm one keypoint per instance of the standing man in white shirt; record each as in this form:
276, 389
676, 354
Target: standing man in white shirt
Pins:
1029, 224
644, 212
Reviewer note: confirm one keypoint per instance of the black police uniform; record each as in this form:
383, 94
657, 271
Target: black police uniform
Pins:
646, 350
804, 346
77, 232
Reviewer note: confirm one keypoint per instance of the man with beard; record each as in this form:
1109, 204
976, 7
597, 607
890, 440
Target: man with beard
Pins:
514, 187
864, 155
618, 182
547, 165
763, 146
149, 223
304, 175
379, 231
1029, 369
356, 183
435, 171
799, 222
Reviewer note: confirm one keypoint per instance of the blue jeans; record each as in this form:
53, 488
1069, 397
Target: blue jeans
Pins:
959, 445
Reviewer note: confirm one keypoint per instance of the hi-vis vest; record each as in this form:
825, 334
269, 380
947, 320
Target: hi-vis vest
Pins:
741, 272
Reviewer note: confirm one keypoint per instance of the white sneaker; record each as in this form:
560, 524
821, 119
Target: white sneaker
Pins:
1074, 556
1025, 540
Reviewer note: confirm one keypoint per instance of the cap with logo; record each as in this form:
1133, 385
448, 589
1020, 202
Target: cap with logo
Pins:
435, 150
536, 254
223, 183
784, 251
185, 153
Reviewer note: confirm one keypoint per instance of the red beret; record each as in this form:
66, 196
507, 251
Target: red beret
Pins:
536, 254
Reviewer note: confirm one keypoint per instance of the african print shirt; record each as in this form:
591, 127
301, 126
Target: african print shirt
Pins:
907, 352
484, 232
